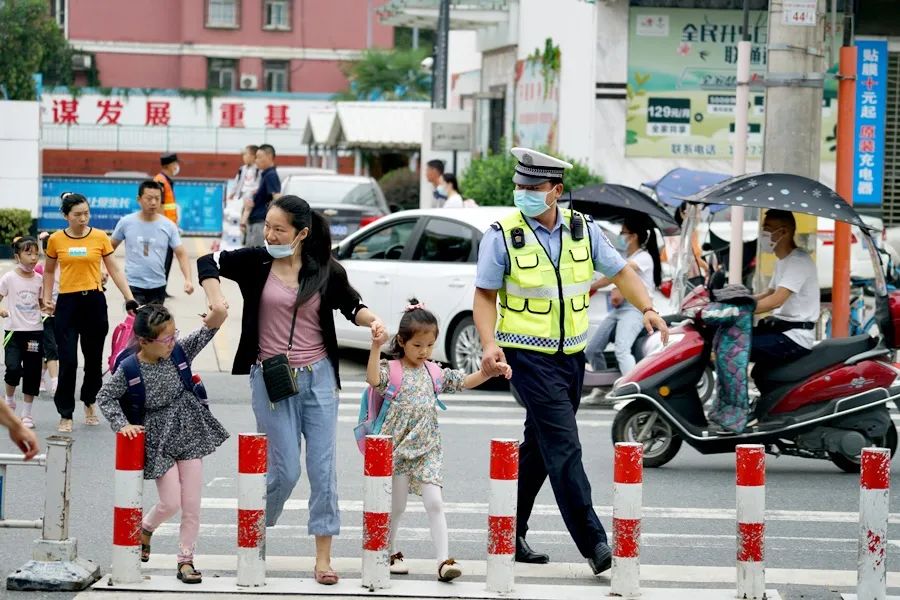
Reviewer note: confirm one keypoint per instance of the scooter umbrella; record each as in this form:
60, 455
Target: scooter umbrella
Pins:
782, 191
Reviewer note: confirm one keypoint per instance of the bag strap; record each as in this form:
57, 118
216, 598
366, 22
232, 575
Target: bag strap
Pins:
133, 402
180, 360
291, 336
437, 380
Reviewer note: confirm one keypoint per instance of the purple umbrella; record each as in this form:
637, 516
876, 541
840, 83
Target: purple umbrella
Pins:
672, 187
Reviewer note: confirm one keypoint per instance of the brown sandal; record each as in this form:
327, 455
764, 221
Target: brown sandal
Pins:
145, 546
191, 576
448, 571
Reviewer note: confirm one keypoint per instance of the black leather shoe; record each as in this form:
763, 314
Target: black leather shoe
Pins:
602, 559
524, 553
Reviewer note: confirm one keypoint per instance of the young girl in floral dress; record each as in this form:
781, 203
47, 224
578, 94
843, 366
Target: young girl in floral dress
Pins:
412, 421
178, 427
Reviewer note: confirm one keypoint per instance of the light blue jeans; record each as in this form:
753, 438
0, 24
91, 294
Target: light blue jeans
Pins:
626, 322
312, 413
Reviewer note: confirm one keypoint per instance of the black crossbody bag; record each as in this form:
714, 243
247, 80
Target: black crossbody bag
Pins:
278, 375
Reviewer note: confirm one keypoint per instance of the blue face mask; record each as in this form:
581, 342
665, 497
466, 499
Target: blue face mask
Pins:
279, 250
532, 203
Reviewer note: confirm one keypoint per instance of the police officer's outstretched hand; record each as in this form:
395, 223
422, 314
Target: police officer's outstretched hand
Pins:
653, 321
493, 361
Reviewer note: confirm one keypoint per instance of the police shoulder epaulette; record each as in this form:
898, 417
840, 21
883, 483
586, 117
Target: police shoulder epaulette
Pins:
588, 218
496, 226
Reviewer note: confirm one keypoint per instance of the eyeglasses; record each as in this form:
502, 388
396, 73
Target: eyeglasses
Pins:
168, 340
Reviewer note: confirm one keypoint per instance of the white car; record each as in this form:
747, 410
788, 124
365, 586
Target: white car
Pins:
431, 255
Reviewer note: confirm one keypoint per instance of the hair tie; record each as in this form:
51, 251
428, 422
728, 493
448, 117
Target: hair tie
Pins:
411, 307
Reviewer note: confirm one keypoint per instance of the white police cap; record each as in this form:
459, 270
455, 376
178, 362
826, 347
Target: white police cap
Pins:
536, 167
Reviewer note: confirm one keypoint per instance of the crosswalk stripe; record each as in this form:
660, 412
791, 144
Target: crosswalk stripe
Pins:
482, 421
471, 535
448, 398
649, 512
820, 578
453, 408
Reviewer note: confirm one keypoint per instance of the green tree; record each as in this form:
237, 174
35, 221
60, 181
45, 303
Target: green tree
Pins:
31, 42
387, 75
488, 179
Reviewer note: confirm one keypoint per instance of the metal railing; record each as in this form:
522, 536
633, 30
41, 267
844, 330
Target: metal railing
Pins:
7, 460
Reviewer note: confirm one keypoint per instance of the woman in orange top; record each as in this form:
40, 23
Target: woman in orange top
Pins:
80, 308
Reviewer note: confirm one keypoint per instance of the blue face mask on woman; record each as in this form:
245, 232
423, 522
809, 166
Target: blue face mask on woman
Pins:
531, 202
279, 250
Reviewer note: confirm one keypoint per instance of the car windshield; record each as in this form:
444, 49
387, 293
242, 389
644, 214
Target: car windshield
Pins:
336, 191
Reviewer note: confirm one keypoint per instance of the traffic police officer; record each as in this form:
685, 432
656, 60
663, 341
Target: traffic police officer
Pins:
539, 262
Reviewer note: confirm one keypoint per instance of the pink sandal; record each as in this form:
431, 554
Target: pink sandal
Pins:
329, 577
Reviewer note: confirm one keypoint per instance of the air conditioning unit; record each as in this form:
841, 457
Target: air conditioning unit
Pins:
249, 82
81, 62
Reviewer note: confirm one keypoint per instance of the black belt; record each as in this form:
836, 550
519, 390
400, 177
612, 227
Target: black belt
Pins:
776, 325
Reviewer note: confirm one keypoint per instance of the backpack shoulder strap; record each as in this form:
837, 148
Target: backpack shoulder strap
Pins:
135, 396
180, 360
437, 379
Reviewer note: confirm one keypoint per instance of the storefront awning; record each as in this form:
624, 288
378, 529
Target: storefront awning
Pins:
378, 125
464, 14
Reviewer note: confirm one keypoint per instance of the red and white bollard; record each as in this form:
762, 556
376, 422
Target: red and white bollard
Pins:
128, 509
874, 493
378, 470
502, 504
751, 527
628, 477
251, 517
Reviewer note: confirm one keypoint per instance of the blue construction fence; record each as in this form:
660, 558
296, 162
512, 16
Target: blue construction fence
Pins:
201, 202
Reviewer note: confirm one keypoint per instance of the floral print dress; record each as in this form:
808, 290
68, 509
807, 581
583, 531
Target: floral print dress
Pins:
412, 421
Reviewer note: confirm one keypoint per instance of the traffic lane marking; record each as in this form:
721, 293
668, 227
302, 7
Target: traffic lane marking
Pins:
555, 570
399, 588
649, 512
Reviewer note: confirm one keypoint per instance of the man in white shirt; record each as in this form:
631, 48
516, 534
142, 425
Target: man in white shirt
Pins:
792, 297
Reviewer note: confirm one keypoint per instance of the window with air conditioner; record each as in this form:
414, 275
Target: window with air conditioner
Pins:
277, 14
276, 75
222, 74
222, 13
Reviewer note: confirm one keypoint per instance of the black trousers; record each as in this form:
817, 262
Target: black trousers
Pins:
170, 254
149, 296
25, 361
550, 387
80, 316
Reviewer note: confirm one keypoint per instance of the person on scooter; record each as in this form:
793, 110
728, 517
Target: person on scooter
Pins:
624, 320
539, 263
792, 296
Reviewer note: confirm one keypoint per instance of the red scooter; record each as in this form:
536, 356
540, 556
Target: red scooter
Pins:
829, 404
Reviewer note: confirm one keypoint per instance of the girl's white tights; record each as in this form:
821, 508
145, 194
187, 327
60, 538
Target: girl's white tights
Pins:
434, 508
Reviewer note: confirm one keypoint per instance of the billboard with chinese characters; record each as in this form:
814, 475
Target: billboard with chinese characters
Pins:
136, 121
200, 202
871, 106
682, 71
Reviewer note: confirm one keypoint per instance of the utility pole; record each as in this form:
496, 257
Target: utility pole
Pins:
794, 79
439, 74
739, 149
795, 74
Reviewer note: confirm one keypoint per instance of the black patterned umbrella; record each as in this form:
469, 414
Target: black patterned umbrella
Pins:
613, 202
781, 191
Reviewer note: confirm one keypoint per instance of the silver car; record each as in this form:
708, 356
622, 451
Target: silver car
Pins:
348, 202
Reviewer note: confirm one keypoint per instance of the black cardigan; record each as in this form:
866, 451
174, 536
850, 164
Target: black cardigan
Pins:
250, 268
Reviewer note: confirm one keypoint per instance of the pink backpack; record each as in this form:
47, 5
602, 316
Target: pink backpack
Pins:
121, 337
373, 406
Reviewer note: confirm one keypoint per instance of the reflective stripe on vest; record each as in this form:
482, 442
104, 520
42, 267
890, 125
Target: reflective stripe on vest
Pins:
544, 307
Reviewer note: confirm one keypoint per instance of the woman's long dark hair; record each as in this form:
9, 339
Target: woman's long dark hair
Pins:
647, 240
69, 200
316, 247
